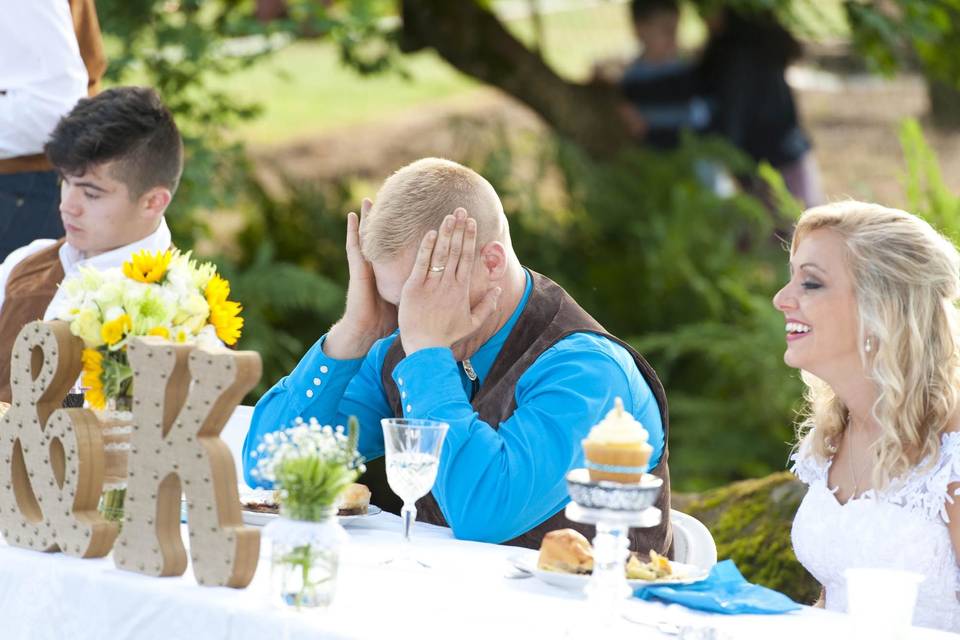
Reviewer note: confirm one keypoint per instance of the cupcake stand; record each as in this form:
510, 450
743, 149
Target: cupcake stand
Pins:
613, 508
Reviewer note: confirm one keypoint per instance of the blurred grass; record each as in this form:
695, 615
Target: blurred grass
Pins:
304, 90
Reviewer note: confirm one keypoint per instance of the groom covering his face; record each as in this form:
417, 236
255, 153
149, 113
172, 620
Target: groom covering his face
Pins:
443, 322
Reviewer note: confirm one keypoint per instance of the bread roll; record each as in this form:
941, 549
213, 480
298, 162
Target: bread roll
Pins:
565, 551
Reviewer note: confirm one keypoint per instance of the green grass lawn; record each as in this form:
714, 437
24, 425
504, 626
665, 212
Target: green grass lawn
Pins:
304, 90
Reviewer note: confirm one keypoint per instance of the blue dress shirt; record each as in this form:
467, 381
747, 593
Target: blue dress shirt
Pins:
492, 485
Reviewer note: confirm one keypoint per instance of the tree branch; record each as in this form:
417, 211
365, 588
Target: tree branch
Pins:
474, 41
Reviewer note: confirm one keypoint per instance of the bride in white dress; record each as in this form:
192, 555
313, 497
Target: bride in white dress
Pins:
871, 321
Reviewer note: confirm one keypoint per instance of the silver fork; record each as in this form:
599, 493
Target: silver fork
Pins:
516, 572
671, 629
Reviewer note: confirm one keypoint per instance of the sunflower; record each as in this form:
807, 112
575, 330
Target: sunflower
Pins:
224, 314
112, 332
217, 291
225, 318
147, 267
92, 378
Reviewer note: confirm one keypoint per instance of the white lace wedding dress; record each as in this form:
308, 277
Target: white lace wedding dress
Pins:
902, 527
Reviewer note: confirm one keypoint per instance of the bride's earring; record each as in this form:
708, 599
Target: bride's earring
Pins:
868, 345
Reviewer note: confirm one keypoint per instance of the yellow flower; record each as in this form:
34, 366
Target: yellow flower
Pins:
224, 314
162, 332
91, 378
112, 332
218, 290
147, 267
225, 318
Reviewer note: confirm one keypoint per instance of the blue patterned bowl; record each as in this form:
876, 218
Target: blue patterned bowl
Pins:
613, 495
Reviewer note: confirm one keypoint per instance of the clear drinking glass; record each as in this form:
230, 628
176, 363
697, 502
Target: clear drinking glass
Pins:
413, 456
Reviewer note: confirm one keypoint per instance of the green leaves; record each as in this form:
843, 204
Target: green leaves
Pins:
927, 194
310, 486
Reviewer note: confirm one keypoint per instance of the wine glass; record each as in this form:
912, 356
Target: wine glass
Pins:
413, 455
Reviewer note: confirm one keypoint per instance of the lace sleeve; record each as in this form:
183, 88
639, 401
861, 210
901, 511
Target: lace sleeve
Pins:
944, 474
806, 467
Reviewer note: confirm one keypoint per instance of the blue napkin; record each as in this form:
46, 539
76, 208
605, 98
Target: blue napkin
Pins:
725, 590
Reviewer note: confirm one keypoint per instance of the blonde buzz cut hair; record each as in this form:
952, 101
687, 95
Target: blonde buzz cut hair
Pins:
416, 199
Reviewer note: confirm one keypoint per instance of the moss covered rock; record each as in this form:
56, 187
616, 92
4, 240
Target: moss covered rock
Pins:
750, 522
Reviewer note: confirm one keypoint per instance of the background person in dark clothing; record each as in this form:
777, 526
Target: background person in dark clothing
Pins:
661, 88
742, 69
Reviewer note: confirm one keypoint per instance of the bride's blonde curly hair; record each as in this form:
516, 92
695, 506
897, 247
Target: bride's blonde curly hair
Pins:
906, 282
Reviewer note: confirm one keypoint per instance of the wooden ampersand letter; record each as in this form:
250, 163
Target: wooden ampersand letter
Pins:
51, 459
178, 417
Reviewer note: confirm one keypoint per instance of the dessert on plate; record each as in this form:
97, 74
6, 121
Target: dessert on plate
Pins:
565, 551
616, 449
656, 569
354, 501
259, 500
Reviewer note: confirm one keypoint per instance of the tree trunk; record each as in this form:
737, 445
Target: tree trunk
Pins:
474, 41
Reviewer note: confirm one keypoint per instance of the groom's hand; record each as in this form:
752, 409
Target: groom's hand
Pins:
368, 317
435, 306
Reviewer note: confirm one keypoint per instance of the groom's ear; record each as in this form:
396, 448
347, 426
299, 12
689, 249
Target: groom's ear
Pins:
493, 260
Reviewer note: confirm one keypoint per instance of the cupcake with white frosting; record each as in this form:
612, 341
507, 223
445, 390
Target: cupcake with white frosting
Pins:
616, 449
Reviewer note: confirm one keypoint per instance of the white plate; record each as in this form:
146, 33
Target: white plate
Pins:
527, 561
260, 518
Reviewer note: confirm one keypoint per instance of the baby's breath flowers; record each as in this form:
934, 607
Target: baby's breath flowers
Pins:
310, 465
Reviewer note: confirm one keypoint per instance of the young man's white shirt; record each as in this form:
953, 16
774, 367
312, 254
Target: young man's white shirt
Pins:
42, 74
73, 259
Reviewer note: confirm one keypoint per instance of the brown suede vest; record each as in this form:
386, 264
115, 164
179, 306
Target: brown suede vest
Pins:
30, 288
549, 316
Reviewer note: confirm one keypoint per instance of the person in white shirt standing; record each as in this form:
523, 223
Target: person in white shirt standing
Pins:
51, 55
119, 156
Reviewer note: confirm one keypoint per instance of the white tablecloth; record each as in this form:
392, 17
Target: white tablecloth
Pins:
464, 595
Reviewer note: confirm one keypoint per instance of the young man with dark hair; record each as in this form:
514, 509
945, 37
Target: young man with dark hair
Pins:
119, 156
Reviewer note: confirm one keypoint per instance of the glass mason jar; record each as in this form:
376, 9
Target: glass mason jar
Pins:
116, 426
304, 557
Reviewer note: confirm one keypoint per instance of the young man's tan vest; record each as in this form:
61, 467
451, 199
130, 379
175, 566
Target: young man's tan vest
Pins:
549, 316
30, 288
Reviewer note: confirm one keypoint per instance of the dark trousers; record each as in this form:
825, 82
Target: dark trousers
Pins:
29, 209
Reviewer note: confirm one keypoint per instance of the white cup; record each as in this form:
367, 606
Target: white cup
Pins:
881, 602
